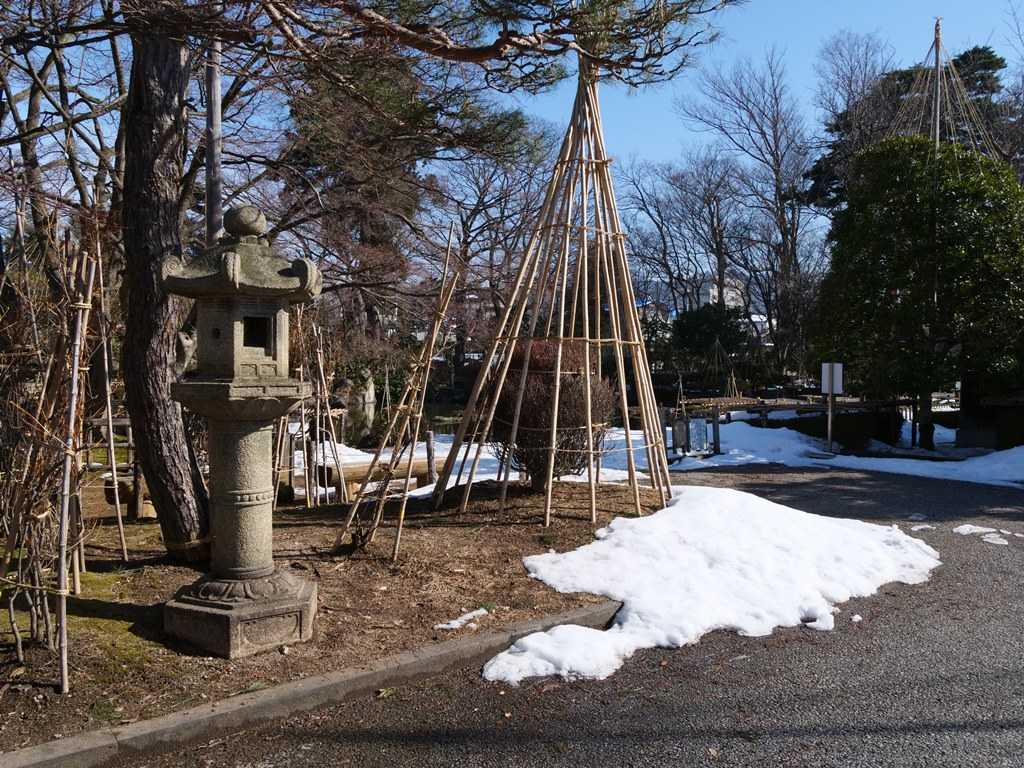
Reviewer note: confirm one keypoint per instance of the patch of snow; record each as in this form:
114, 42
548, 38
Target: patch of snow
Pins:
943, 435
346, 455
923, 527
464, 620
994, 538
715, 558
967, 529
746, 444
1005, 532
783, 415
1004, 468
856, 618
322, 494
743, 443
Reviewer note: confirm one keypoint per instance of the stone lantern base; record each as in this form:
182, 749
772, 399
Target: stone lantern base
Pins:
235, 618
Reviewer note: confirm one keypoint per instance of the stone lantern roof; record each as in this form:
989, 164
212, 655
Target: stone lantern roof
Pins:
243, 264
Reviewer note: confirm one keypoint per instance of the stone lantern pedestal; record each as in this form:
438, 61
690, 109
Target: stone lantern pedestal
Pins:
241, 386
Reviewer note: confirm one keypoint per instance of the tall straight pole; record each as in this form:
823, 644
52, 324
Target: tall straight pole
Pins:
65, 497
214, 138
831, 400
111, 454
937, 105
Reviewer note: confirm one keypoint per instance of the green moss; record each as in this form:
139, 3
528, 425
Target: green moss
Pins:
100, 585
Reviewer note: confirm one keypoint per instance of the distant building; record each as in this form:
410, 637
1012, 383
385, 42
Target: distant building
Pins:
708, 293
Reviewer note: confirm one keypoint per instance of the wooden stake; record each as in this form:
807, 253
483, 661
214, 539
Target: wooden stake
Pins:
65, 497
109, 405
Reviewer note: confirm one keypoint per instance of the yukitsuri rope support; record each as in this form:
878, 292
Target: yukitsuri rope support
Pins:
573, 285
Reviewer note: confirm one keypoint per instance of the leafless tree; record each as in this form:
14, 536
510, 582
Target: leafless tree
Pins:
850, 66
668, 262
749, 110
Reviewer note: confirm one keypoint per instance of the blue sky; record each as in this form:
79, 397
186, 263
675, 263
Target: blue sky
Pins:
643, 123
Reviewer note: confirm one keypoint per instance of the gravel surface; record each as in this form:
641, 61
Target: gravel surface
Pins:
932, 675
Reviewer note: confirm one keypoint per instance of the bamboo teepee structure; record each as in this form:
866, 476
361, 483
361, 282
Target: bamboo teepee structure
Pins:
573, 287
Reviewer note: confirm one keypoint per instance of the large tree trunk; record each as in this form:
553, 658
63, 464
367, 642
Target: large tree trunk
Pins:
155, 123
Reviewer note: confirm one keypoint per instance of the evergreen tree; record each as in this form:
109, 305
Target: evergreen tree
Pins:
926, 284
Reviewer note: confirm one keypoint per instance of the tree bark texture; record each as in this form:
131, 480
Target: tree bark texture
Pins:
155, 134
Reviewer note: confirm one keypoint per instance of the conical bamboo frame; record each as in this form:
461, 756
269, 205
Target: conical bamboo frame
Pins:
574, 285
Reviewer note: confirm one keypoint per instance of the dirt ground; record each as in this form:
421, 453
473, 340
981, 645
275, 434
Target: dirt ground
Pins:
124, 669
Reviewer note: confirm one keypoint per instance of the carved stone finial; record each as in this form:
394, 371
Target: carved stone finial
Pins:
245, 220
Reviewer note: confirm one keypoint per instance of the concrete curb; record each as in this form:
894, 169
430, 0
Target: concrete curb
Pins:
96, 747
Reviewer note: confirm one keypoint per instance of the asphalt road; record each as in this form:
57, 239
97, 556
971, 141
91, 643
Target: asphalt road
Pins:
933, 675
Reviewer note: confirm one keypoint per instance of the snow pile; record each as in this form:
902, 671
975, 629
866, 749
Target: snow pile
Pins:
714, 559
463, 620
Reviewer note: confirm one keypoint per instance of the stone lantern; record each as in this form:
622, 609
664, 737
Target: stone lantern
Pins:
241, 386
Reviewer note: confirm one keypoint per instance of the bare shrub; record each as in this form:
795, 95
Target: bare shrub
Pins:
530, 450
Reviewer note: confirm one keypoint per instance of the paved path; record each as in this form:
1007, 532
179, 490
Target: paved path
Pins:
932, 676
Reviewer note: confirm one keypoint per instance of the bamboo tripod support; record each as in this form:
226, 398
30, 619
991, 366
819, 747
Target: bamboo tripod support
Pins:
404, 424
573, 285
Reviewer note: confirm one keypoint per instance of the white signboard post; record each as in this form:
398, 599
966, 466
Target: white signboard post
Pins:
831, 385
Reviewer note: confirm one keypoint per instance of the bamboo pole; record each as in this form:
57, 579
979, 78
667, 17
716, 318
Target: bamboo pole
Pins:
65, 499
515, 294
109, 405
583, 284
485, 429
438, 320
278, 457
542, 287
541, 261
410, 406
318, 442
654, 438
620, 369
538, 300
657, 458
340, 488
535, 259
358, 498
563, 269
